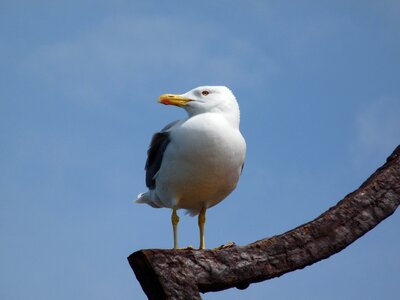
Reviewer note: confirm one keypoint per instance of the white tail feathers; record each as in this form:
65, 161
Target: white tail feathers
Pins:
149, 198
143, 198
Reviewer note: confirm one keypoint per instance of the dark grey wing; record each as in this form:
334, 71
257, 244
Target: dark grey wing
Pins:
158, 144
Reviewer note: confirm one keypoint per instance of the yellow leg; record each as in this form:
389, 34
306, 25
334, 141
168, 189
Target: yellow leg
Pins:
175, 221
202, 221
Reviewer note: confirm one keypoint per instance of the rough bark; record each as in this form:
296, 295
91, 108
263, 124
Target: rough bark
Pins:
183, 274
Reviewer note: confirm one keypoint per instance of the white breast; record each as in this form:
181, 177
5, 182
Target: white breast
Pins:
202, 163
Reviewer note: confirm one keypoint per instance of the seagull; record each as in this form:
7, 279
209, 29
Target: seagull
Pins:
195, 163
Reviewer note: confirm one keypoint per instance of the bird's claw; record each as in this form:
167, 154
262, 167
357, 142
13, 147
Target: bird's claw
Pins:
227, 245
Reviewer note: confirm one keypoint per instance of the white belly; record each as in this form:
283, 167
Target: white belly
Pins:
201, 165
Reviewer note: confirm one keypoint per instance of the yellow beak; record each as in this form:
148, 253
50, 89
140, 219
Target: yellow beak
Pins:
171, 99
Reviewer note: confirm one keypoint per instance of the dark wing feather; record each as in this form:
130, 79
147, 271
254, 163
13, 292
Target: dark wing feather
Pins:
158, 144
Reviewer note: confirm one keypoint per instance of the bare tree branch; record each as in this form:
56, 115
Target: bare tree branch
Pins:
182, 274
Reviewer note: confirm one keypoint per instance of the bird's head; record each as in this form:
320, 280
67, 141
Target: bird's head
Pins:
204, 99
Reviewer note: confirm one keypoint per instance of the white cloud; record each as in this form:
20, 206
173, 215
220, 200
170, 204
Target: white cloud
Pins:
125, 51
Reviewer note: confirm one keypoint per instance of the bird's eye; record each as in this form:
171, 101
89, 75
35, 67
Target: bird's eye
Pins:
205, 93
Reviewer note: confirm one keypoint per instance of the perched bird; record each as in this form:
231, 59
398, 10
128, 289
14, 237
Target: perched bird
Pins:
196, 162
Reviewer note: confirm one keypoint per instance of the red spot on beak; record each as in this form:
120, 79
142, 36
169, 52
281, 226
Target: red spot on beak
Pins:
165, 101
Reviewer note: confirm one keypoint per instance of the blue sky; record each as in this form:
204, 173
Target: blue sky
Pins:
318, 86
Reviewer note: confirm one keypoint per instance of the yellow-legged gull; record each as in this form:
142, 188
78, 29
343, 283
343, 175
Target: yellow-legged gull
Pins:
196, 162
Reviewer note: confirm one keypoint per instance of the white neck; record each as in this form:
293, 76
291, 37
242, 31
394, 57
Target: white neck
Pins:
229, 110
